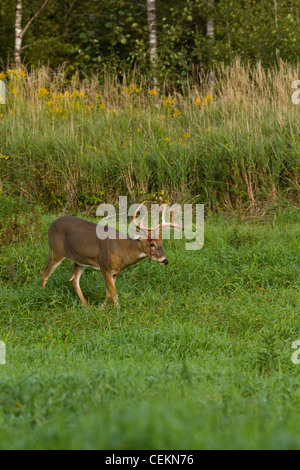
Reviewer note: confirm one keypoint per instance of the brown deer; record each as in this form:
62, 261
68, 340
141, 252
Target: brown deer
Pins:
76, 239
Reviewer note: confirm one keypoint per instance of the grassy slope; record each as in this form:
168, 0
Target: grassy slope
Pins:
238, 152
198, 355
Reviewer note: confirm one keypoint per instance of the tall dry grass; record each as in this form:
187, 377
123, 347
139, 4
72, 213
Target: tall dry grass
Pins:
232, 143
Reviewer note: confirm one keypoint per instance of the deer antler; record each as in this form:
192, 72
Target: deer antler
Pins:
141, 225
167, 224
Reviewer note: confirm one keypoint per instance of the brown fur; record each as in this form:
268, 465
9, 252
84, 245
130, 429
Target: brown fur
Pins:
76, 239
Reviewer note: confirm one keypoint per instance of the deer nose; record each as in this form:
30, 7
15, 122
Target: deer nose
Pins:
165, 261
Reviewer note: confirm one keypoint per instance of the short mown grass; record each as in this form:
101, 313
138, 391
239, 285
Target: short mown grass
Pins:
198, 356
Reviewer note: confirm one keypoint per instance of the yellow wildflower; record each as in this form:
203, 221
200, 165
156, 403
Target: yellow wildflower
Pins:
198, 101
169, 103
51, 102
16, 73
42, 92
186, 135
209, 98
131, 89
58, 109
153, 92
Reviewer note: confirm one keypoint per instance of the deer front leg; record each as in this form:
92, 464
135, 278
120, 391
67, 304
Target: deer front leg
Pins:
111, 293
75, 278
50, 268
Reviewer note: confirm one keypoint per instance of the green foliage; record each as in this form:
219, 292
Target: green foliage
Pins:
18, 220
89, 198
114, 36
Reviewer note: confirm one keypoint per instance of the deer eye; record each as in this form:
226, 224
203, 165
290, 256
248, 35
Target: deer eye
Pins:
152, 244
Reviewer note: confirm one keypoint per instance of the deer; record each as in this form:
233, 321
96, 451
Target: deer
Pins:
76, 239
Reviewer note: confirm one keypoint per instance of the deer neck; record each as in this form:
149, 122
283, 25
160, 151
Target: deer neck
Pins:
135, 251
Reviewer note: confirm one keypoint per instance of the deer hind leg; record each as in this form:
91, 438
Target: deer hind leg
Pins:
111, 292
53, 263
75, 278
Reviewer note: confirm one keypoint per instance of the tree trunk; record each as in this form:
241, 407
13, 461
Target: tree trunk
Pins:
18, 34
276, 13
151, 17
210, 27
210, 32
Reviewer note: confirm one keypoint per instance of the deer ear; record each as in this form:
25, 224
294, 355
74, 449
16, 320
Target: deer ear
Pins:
137, 235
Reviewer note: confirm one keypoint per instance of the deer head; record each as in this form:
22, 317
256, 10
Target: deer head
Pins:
153, 243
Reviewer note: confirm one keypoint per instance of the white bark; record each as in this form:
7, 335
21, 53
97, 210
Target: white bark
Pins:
210, 26
276, 13
210, 32
19, 32
151, 17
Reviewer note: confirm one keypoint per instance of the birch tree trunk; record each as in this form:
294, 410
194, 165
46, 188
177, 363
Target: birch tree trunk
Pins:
19, 33
210, 27
210, 32
276, 13
151, 18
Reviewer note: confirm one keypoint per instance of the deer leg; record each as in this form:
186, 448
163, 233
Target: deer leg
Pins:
75, 278
111, 292
50, 268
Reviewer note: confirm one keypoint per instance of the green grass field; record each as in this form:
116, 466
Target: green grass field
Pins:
198, 356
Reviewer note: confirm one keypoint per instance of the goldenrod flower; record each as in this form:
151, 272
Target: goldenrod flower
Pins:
16, 73
42, 92
169, 103
51, 102
131, 89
